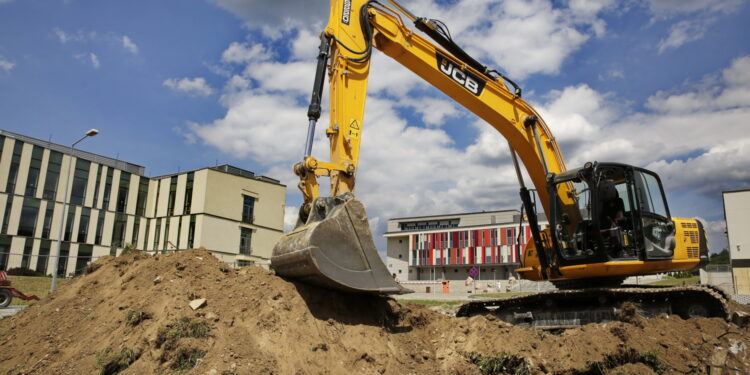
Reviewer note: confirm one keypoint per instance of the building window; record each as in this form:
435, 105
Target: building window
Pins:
188, 193
148, 231
96, 185
83, 258
4, 251
158, 193
510, 234
14, 163
166, 234
29, 213
122, 191
99, 227
248, 206
53, 175
118, 231
27, 248
62, 266
47, 225
83, 224
107, 189
172, 197
43, 257
246, 235
157, 233
80, 180
136, 228
69, 223
32, 181
191, 232
140, 205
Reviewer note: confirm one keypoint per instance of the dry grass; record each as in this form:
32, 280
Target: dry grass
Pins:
38, 285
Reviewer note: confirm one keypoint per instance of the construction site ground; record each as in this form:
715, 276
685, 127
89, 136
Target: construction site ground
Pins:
132, 315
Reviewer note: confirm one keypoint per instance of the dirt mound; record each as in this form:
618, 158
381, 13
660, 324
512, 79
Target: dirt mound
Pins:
131, 315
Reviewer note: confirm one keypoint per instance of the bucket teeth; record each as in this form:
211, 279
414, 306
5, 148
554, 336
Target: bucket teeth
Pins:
335, 249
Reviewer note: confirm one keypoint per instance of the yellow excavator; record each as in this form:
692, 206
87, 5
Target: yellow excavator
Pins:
607, 221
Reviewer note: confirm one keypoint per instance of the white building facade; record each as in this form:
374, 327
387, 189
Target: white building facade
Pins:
448, 247
231, 212
737, 216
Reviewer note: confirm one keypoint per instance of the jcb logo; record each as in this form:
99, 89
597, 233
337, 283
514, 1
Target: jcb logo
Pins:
469, 81
346, 12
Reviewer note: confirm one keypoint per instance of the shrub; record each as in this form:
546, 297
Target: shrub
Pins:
18, 271
110, 362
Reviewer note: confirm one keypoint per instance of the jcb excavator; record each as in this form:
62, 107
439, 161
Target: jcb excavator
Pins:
607, 221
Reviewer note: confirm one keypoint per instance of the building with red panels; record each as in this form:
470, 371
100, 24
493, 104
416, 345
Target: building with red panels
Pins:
447, 247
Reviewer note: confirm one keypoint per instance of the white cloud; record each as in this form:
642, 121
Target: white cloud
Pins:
192, 86
94, 60
276, 17
129, 45
78, 36
6, 65
3, 2
672, 7
519, 37
684, 32
239, 53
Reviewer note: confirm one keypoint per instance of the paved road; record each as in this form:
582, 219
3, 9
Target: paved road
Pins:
10, 310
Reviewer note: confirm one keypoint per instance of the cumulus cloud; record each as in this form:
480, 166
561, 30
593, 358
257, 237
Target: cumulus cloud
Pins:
535, 36
6, 65
129, 45
239, 53
191, 86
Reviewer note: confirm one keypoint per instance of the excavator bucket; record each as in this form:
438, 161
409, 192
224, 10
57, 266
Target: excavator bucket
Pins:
335, 249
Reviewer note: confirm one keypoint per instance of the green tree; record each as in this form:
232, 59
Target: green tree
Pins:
719, 258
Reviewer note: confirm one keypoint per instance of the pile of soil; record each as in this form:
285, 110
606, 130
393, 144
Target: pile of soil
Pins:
131, 315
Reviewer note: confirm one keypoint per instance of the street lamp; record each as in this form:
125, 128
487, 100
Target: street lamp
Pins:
56, 255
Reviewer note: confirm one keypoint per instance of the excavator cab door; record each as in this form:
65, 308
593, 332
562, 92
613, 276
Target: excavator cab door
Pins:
656, 226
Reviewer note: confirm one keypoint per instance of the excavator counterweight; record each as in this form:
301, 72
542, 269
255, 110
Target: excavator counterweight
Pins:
335, 249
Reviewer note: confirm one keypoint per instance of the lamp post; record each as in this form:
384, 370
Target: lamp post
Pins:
56, 255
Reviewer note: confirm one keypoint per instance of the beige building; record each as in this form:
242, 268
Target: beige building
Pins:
448, 247
233, 213
737, 216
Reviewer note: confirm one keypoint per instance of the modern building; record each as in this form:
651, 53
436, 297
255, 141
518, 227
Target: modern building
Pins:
233, 213
447, 247
737, 216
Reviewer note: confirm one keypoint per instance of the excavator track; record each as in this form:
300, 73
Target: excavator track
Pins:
576, 307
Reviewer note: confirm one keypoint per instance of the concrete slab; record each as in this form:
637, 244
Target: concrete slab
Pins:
10, 311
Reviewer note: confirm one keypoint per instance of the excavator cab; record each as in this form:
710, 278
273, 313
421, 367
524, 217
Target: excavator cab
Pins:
619, 212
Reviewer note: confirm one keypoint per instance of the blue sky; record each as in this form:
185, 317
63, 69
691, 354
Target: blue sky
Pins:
175, 85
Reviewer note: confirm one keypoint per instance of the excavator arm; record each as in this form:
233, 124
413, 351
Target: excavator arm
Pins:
332, 244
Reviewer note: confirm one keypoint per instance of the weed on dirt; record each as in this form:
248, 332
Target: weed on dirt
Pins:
134, 318
185, 359
184, 327
110, 362
504, 364
625, 356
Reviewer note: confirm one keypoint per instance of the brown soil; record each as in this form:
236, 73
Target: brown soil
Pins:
257, 323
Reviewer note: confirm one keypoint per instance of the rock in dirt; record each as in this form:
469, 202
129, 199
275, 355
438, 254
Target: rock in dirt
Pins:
197, 303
